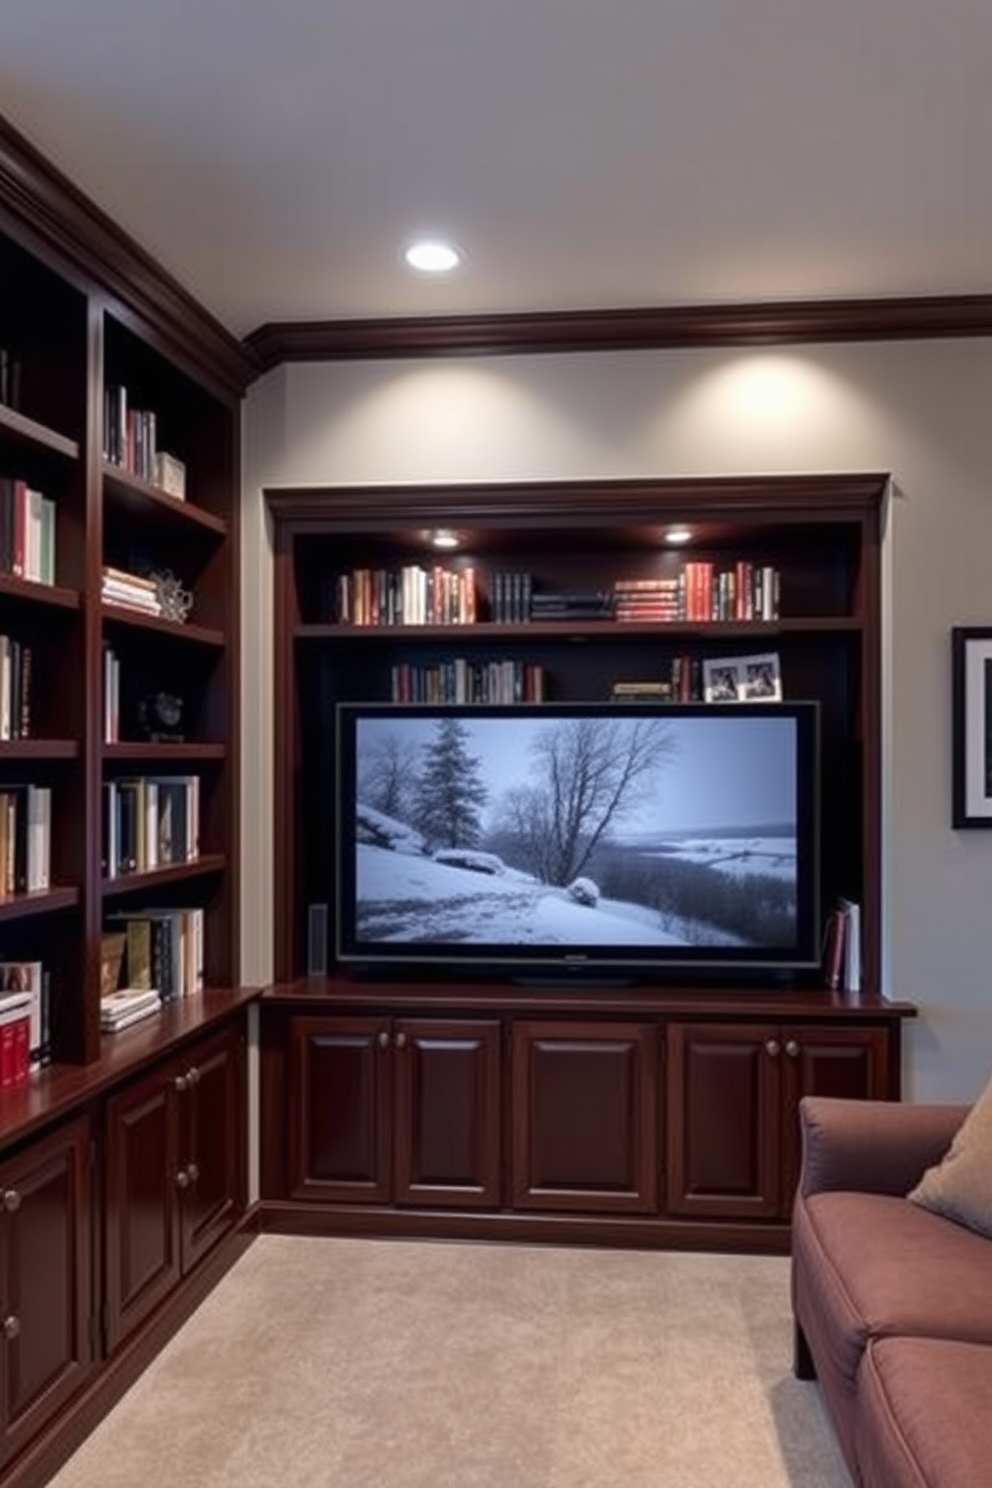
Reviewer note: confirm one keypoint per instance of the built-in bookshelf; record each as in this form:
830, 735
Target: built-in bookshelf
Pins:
573, 592
119, 418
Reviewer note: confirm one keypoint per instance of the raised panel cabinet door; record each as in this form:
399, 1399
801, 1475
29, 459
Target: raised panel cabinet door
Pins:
212, 1103
724, 1138
141, 1221
852, 1063
447, 1113
339, 1110
585, 1117
45, 1248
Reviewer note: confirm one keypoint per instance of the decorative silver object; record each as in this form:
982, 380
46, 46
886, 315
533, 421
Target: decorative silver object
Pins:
176, 601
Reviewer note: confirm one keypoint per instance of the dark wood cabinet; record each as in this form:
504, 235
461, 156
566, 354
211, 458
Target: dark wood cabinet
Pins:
585, 1117
175, 1175
46, 1302
403, 1111
733, 1094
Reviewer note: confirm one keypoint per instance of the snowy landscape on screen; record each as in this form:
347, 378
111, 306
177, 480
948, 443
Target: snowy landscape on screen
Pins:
593, 834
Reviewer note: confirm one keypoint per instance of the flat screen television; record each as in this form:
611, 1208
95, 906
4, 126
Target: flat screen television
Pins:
580, 840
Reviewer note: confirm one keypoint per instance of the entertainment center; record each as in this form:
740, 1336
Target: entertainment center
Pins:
442, 1095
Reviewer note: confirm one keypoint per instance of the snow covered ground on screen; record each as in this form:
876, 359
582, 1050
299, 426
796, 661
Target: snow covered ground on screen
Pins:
413, 900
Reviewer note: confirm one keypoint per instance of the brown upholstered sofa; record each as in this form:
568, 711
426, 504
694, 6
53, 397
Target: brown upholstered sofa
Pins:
892, 1302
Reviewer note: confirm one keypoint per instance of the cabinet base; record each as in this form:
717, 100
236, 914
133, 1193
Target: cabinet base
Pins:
110, 1380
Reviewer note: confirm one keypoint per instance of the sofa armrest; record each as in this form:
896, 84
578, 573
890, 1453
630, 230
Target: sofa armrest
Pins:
871, 1146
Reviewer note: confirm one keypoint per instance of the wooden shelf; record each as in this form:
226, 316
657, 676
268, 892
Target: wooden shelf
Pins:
487, 630
123, 487
28, 431
163, 753
133, 883
196, 635
39, 749
39, 594
42, 901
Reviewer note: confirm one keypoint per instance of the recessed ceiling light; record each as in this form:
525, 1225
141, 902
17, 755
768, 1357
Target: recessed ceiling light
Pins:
431, 256
679, 534
442, 538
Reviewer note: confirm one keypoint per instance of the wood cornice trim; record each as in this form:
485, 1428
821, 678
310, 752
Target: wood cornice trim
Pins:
773, 323
37, 196
325, 508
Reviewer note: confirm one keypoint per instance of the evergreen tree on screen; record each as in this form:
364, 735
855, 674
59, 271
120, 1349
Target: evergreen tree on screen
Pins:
450, 792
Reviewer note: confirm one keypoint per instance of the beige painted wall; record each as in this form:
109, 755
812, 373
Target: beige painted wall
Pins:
918, 410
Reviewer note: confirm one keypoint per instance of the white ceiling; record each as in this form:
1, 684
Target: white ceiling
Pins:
585, 153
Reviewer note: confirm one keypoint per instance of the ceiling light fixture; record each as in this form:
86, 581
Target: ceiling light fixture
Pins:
431, 256
442, 538
679, 534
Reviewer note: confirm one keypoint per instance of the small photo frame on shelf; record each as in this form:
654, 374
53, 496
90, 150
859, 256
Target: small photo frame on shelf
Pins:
743, 679
971, 726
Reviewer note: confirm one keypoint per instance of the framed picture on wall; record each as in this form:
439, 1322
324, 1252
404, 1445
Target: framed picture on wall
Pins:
971, 726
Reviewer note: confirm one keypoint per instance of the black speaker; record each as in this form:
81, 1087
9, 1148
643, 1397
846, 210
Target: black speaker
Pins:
317, 940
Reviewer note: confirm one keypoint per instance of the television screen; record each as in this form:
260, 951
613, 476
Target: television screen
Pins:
607, 837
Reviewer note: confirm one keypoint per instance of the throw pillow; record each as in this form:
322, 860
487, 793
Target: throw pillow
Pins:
960, 1186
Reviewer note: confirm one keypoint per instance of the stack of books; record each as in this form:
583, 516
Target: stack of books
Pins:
641, 692
576, 605
130, 591
126, 1006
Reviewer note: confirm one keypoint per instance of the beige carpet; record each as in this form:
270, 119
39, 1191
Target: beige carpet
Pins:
321, 1363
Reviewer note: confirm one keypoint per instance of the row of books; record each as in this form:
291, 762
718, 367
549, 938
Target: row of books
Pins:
25, 1034
701, 591
130, 440
16, 668
27, 531
130, 591
150, 822
25, 839
464, 681
411, 595
162, 951
10, 378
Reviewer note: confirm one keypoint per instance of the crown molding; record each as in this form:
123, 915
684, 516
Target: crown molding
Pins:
46, 211
629, 498
773, 323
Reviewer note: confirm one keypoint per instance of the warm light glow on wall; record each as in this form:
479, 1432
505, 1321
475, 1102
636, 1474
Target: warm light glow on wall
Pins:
769, 388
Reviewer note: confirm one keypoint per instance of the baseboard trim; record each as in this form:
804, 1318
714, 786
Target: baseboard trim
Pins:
637, 1232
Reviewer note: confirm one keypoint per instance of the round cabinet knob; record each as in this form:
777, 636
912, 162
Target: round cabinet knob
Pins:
193, 1076
180, 1084
182, 1178
401, 1040
193, 1172
773, 1048
11, 1327
11, 1200
792, 1049
383, 1039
